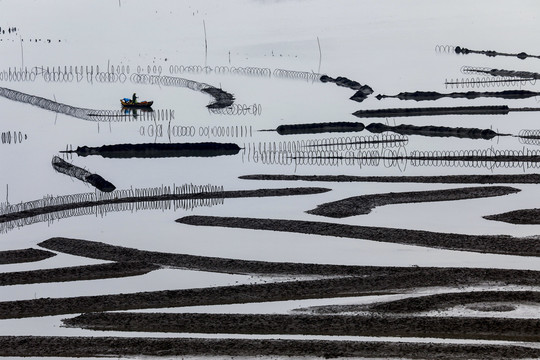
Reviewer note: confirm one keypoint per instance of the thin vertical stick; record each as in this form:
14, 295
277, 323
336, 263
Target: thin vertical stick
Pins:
320, 55
22, 54
7, 194
205, 45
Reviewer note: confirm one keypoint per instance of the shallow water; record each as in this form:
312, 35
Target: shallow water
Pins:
93, 51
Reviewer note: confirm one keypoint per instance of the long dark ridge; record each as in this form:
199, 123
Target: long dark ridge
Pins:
383, 280
492, 53
77, 273
433, 95
201, 195
124, 346
508, 73
491, 244
445, 179
311, 324
360, 205
153, 150
319, 128
24, 255
434, 131
434, 111
102, 251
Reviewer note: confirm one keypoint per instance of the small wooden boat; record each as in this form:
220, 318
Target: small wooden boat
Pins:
131, 104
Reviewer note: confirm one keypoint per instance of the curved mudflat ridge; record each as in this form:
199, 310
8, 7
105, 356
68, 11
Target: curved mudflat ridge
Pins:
359, 205
493, 244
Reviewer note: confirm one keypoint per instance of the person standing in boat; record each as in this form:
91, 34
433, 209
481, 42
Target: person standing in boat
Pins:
134, 98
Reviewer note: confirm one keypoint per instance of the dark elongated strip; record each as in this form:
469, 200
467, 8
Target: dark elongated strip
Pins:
435, 131
24, 255
77, 273
380, 280
433, 95
345, 82
444, 179
104, 251
509, 73
319, 128
381, 277
492, 53
433, 111
304, 324
359, 205
81, 346
84, 175
518, 217
493, 244
120, 151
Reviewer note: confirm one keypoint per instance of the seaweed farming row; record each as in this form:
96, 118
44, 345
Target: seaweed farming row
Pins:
158, 131
51, 208
121, 73
388, 156
83, 113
